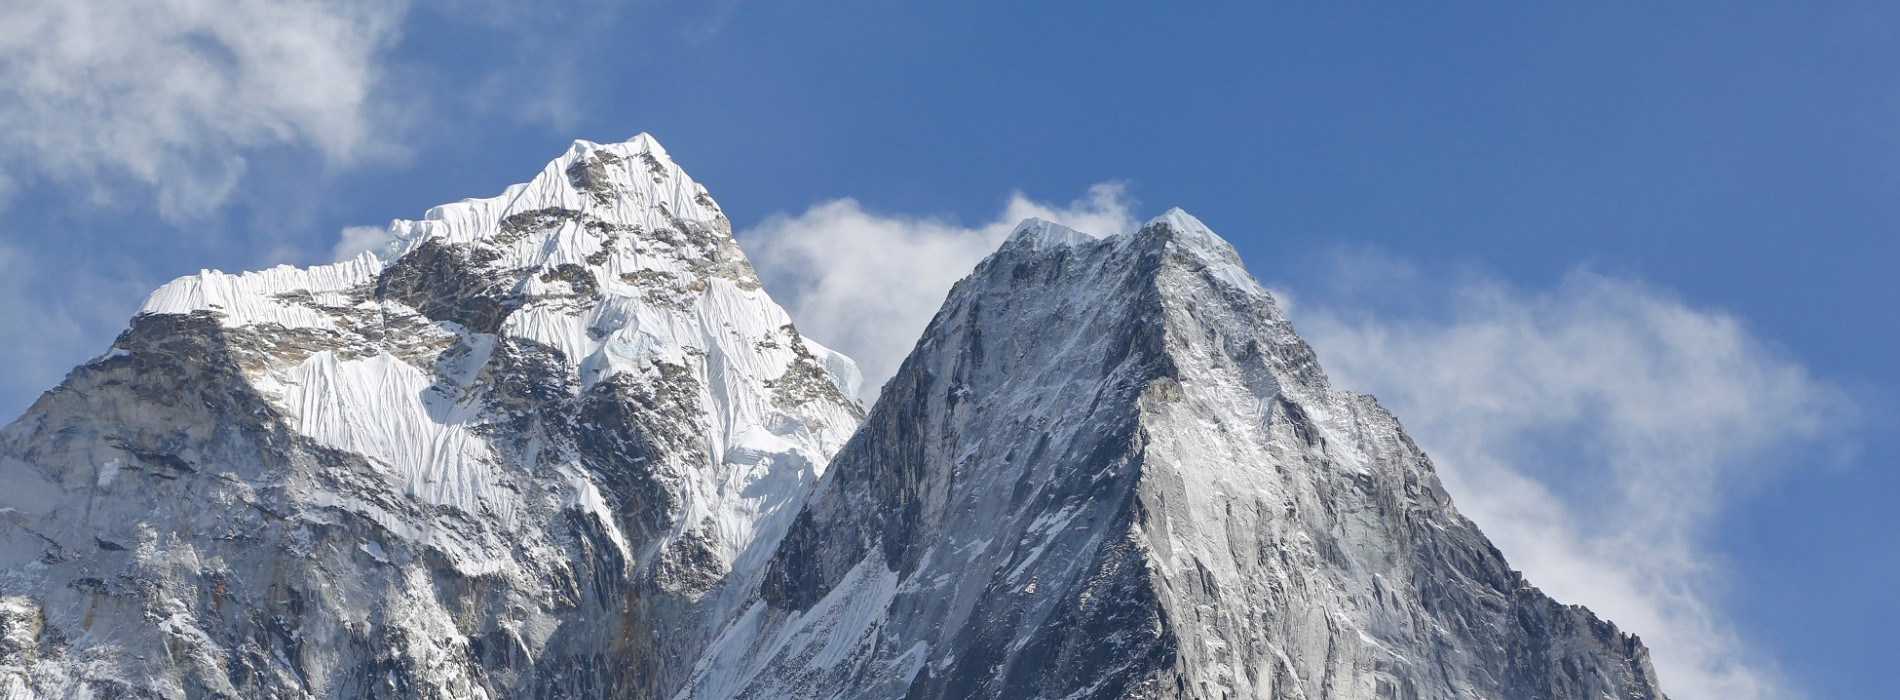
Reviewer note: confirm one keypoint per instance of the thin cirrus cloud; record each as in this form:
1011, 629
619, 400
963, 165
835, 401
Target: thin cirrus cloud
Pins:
1594, 429
170, 95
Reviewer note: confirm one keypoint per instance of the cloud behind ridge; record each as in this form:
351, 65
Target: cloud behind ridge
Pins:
1594, 430
866, 284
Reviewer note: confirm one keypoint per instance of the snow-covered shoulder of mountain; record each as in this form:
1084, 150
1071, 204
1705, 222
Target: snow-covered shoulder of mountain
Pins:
620, 221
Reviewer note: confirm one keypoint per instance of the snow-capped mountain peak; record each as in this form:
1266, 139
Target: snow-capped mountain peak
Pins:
556, 395
1190, 232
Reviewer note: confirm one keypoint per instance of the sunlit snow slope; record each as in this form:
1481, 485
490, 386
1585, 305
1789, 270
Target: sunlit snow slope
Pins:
518, 451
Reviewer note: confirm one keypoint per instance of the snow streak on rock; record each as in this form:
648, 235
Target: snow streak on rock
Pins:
512, 453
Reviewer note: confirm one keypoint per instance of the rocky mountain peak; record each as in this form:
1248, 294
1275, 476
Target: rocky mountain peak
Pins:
1111, 469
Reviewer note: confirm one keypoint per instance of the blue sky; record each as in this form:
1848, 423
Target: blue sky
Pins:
1633, 266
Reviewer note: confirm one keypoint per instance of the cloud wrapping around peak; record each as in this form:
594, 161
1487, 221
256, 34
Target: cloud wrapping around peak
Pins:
170, 94
866, 284
1594, 431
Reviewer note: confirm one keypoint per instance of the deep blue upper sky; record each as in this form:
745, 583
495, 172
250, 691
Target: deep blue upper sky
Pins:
1743, 157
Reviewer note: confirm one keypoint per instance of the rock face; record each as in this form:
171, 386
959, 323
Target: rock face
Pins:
1110, 469
513, 455
559, 444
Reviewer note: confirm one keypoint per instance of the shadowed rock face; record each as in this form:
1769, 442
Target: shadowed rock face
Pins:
518, 455
1111, 469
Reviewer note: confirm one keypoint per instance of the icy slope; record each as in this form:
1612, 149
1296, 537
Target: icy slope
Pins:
1111, 469
516, 452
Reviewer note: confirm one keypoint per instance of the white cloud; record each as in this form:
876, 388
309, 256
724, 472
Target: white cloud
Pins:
866, 284
170, 94
356, 239
1593, 431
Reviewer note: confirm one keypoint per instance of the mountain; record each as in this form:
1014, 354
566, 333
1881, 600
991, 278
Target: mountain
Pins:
510, 454
1111, 469
559, 443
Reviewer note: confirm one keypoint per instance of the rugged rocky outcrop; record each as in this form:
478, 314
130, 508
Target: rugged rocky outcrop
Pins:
514, 453
1110, 469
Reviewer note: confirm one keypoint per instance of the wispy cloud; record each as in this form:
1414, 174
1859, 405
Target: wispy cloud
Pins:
170, 95
555, 53
866, 284
1594, 431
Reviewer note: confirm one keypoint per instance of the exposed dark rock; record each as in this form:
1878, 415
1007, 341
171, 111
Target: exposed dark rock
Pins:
444, 283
